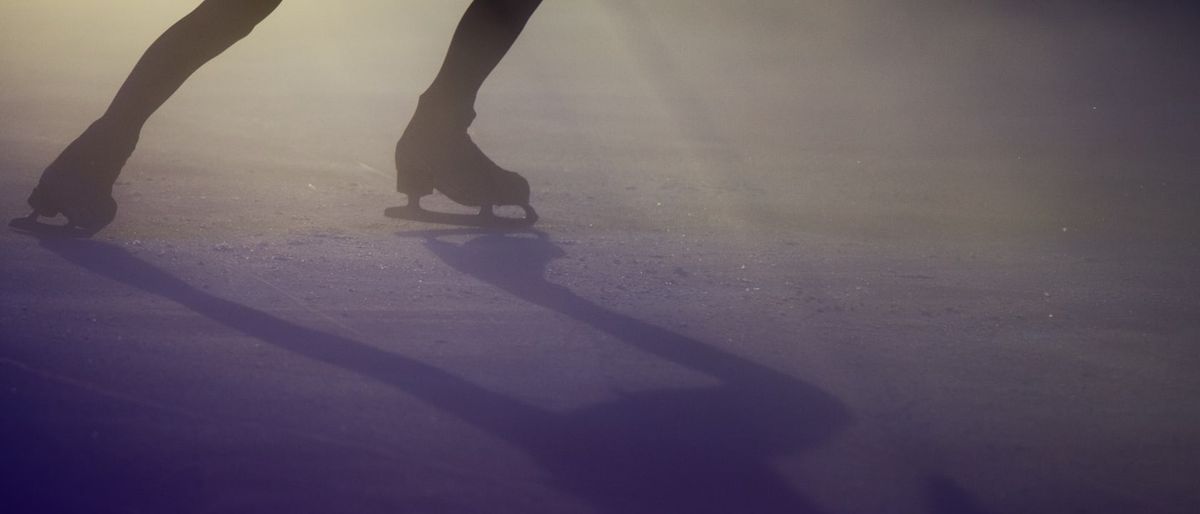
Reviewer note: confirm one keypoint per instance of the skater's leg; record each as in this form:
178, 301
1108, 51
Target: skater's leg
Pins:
435, 151
194, 40
484, 35
78, 183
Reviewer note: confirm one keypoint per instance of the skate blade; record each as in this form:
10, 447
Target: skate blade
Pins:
461, 220
31, 226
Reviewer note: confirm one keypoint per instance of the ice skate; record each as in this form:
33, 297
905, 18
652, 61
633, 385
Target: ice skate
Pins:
435, 153
78, 184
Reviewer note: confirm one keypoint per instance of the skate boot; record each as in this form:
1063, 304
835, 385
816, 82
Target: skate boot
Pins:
78, 184
435, 152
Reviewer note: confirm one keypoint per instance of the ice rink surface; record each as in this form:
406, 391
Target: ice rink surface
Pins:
866, 257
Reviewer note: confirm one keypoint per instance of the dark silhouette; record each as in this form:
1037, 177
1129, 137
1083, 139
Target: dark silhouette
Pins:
435, 151
700, 450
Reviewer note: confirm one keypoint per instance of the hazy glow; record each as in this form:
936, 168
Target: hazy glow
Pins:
845, 115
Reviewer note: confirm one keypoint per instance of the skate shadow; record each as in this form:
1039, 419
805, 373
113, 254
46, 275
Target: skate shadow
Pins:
704, 450
456, 219
693, 450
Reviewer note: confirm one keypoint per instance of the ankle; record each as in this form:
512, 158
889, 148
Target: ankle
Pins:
454, 111
117, 128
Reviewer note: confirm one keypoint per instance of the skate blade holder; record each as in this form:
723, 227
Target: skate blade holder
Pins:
488, 212
486, 218
32, 225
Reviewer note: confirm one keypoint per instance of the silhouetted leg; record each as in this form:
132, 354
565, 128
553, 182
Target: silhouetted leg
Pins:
435, 150
484, 35
79, 182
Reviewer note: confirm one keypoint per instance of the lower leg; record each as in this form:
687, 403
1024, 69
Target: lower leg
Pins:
483, 36
79, 182
435, 150
194, 40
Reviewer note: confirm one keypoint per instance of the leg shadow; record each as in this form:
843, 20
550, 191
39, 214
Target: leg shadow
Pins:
947, 497
704, 450
697, 450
